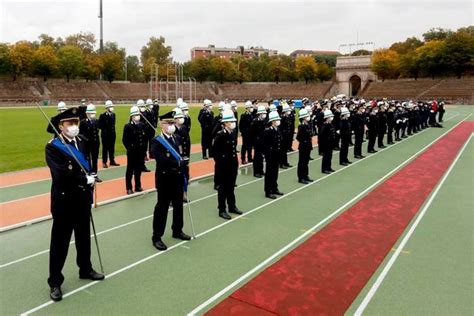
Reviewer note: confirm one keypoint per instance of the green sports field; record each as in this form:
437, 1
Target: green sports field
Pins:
432, 275
23, 134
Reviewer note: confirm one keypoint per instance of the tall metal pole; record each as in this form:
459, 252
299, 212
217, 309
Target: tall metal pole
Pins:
167, 78
101, 17
176, 81
190, 90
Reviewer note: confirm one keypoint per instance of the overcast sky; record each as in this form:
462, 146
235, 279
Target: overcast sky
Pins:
281, 25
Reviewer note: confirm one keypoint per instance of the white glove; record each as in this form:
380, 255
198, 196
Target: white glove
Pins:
90, 180
338, 132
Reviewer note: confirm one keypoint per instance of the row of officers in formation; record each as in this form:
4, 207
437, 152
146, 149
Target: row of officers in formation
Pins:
267, 131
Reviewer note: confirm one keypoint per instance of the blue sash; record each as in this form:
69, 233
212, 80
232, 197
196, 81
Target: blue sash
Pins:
79, 155
175, 154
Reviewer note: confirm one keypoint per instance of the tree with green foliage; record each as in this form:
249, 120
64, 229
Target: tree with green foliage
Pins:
112, 65
85, 41
45, 62
222, 70
157, 49
71, 61
409, 45
436, 34
5, 62
430, 57
92, 66
458, 52
200, 69
134, 73
324, 72
277, 68
306, 68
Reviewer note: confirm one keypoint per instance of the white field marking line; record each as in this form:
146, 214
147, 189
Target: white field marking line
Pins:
223, 224
405, 239
139, 219
312, 229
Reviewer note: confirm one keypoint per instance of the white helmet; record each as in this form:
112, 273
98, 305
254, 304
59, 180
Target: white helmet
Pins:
178, 113
140, 102
273, 116
273, 107
261, 110
207, 102
91, 109
62, 106
285, 108
345, 111
134, 110
303, 113
179, 101
222, 105
228, 116
328, 113
248, 104
183, 106
233, 103
149, 102
108, 104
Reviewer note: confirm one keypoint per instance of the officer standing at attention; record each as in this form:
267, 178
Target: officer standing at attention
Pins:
183, 132
358, 125
304, 138
286, 134
225, 157
257, 128
142, 108
272, 146
134, 140
149, 114
89, 128
108, 135
169, 181
187, 119
326, 140
71, 199
345, 132
245, 130
205, 118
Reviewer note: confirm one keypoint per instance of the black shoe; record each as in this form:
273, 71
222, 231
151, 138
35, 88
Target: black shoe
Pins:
303, 181
343, 163
160, 245
289, 166
390, 143
372, 151
113, 163
55, 293
258, 175
358, 157
270, 196
98, 180
140, 189
104, 165
216, 187
92, 275
332, 170
327, 172
146, 170
348, 162
277, 192
185, 200
236, 211
129, 191
383, 146
311, 158
225, 215
283, 167
309, 179
181, 236
205, 157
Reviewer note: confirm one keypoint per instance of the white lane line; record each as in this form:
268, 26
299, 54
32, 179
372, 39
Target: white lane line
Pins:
304, 235
386, 270
130, 266
142, 218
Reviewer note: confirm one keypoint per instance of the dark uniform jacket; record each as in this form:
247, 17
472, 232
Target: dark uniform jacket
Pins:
272, 143
206, 118
167, 167
134, 137
304, 137
345, 130
257, 128
69, 182
225, 156
244, 123
183, 133
107, 123
327, 137
89, 128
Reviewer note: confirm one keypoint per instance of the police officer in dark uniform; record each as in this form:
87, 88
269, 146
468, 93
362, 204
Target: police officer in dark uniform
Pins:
358, 125
382, 126
71, 199
245, 130
272, 146
305, 145
390, 123
205, 118
169, 181
108, 135
184, 107
183, 133
286, 134
134, 140
89, 128
373, 127
225, 157
151, 117
326, 140
345, 132
292, 118
441, 111
257, 127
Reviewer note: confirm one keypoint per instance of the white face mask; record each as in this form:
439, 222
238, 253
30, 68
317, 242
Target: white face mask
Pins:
185, 112
142, 109
151, 106
209, 107
264, 115
110, 109
72, 131
91, 116
180, 121
330, 119
232, 125
277, 123
171, 129
307, 119
136, 118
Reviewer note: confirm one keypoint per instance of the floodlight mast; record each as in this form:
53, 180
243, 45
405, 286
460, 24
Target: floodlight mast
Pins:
101, 17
